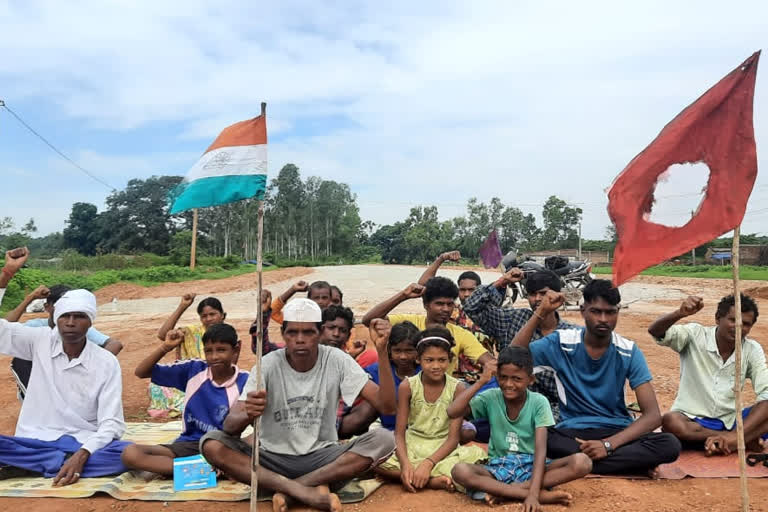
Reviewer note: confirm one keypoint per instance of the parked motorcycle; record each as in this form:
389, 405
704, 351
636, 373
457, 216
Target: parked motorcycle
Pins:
574, 275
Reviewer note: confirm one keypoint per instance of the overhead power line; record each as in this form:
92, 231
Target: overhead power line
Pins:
54, 148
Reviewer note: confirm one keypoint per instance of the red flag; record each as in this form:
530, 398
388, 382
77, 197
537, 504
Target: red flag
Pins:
716, 129
490, 251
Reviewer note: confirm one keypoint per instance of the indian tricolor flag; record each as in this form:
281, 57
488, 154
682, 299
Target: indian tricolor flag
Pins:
234, 167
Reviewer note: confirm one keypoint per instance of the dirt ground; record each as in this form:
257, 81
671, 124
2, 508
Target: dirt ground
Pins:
138, 312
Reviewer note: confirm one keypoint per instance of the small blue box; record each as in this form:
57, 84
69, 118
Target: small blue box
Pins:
191, 473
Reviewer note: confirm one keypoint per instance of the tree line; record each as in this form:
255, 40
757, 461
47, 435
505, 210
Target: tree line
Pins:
308, 221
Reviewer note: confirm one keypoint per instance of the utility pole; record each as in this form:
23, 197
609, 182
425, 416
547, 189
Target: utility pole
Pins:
693, 251
579, 239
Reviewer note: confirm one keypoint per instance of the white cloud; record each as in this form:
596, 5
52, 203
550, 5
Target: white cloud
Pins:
426, 102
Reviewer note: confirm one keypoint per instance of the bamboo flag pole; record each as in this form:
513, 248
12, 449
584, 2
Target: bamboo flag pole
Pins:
193, 249
259, 347
737, 374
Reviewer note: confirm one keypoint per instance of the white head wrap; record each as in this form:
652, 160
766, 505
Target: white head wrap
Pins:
76, 301
302, 310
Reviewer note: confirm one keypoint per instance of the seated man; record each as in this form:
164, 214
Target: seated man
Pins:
73, 414
704, 414
484, 308
593, 364
438, 296
468, 282
22, 368
299, 452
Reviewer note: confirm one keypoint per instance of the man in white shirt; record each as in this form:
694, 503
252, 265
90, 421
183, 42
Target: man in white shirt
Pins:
72, 417
704, 413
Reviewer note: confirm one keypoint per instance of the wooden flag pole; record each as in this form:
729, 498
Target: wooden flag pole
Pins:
737, 375
193, 249
254, 504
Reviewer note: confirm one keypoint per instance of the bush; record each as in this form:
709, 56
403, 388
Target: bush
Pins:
225, 262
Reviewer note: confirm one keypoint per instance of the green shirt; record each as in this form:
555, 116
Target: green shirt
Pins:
706, 382
508, 436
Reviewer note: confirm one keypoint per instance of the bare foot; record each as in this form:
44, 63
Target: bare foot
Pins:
441, 482
555, 497
149, 476
653, 473
492, 500
279, 502
755, 446
329, 500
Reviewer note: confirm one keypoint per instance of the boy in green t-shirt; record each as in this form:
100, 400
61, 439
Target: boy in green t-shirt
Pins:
518, 467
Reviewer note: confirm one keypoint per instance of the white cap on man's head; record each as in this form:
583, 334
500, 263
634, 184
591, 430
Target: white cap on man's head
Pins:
76, 301
302, 310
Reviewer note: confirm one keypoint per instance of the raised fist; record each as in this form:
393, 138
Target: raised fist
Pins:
451, 256
691, 305
379, 329
15, 259
550, 302
413, 291
40, 292
187, 299
300, 286
173, 339
514, 275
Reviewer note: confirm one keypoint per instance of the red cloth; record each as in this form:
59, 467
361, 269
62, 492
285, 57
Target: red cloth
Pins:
367, 358
716, 129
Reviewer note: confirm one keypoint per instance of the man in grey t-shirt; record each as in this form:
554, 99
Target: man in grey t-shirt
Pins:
299, 452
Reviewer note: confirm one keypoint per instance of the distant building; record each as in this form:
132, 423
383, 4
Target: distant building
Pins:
748, 255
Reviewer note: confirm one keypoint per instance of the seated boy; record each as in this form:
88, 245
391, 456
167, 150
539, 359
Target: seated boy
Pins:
211, 387
519, 418
704, 414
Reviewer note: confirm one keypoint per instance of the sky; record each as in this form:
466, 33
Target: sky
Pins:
408, 102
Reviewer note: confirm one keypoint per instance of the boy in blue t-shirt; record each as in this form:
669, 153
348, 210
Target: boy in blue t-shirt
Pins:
593, 365
210, 388
519, 418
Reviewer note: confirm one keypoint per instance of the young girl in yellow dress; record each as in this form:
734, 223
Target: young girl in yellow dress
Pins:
426, 440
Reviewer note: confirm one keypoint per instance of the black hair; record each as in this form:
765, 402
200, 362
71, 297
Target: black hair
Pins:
333, 312
319, 285
435, 332
211, 302
438, 288
469, 274
518, 356
222, 333
55, 292
543, 279
726, 303
404, 331
602, 289
336, 289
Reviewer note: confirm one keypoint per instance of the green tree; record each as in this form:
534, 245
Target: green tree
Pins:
561, 223
137, 219
6, 225
29, 227
82, 229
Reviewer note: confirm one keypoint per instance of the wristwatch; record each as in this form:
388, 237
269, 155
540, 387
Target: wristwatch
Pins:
608, 447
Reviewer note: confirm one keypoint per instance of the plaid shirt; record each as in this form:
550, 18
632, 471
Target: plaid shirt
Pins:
484, 308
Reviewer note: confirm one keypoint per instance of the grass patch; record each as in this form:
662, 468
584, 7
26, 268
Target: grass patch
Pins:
703, 271
30, 278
